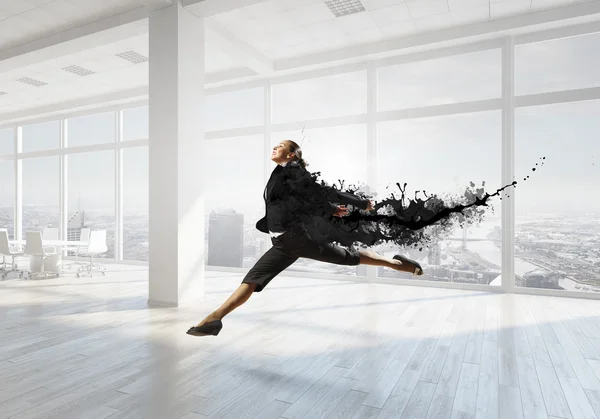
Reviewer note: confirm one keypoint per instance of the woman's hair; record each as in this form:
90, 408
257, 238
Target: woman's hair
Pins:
295, 148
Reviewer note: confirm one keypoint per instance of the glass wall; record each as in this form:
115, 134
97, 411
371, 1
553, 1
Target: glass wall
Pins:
7, 141
440, 81
41, 137
91, 195
325, 97
135, 123
557, 233
556, 240
7, 180
238, 109
233, 191
443, 155
41, 193
7, 196
91, 129
135, 203
559, 64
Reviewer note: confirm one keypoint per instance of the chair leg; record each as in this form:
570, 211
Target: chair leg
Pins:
43, 272
89, 268
13, 268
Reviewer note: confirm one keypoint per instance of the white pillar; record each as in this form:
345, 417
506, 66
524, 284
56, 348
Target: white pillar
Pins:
176, 96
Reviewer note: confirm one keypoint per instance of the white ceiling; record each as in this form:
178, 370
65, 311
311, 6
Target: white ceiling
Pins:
269, 31
22, 21
283, 29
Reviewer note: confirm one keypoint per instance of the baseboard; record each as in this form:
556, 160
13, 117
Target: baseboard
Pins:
161, 304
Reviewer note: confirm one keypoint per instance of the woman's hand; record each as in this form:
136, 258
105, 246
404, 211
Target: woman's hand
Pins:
341, 211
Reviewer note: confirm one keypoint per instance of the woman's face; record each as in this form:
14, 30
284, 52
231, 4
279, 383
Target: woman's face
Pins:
281, 153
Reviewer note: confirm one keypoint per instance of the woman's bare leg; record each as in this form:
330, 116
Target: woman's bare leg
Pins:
368, 257
239, 297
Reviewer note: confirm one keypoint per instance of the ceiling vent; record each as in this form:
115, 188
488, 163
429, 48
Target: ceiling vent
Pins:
33, 82
345, 7
133, 56
80, 71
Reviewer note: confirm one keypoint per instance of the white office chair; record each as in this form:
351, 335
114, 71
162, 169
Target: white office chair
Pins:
96, 246
35, 248
6, 250
84, 237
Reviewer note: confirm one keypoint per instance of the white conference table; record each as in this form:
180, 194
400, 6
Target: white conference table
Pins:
66, 243
52, 263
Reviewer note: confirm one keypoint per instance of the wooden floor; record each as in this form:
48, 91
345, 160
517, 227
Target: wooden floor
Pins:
90, 348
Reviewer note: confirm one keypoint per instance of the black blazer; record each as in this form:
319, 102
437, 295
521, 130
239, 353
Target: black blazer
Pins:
292, 197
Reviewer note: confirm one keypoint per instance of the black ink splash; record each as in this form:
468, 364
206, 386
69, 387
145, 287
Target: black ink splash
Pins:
400, 220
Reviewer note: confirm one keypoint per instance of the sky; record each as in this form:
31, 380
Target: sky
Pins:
438, 154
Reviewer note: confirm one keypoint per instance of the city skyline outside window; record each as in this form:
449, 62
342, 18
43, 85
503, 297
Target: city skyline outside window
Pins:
556, 227
135, 204
7, 196
467, 149
91, 195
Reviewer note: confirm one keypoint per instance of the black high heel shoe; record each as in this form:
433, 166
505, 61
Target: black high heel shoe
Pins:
211, 328
418, 269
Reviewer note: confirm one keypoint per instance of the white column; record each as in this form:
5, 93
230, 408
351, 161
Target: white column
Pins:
176, 96
508, 158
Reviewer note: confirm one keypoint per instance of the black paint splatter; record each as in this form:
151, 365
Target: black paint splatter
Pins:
400, 220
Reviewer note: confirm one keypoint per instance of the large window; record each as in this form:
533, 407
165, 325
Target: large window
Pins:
7, 141
340, 154
441, 156
233, 190
135, 203
42, 136
440, 81
7, 195
557, 243
91, 194
341, 95
561, 64
41, 186
91, 129
135, 123
241, 108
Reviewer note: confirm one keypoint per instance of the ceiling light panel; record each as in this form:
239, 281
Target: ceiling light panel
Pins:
80, 71
345, 7
33, 82
133, 56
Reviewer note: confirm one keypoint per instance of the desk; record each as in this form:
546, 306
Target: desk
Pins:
52, 263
